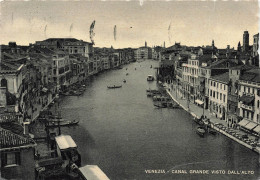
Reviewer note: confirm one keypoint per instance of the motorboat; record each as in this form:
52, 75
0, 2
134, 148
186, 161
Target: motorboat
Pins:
201, 131
124, 81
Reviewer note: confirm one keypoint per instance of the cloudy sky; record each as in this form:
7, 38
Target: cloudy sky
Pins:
191, 23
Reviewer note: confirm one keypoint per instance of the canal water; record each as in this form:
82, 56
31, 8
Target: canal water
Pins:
124, 134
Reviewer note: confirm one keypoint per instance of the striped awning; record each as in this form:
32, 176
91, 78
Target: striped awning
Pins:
243, 123
251, 125
257, 129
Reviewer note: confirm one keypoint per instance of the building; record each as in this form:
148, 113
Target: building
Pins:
12, 76
245, 41
70, 45
234, 76
255, 50
143, 53
249, 96
211, 68
218, 92
17, 156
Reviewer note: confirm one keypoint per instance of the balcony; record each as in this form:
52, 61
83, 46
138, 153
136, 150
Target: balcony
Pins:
250, 108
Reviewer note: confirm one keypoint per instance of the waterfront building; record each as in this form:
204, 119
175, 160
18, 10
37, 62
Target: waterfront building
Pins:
218, 92
156, 52
249, 98
106, 62
70, 45
232, 109
61, 70
17, 156
143, 53
211, 68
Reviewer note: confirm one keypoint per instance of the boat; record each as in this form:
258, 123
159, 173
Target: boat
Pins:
151, 66
160, 105
212, 131
124, 81
113, 87
62, 123
126, 74
201, 131
150, 78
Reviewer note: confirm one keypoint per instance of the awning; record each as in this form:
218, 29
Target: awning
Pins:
65, 142
251, 125
257, 129
243, 122
199, 102
93, 172
246, 99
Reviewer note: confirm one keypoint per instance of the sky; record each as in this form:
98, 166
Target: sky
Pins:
190, 23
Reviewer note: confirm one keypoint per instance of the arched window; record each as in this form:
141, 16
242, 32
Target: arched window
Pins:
4, 83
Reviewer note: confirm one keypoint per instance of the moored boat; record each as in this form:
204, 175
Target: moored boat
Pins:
201, 131
62, 123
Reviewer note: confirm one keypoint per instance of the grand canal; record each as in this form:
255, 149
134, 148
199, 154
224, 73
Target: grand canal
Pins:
124, 134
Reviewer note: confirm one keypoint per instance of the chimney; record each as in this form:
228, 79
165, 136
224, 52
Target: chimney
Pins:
26, 127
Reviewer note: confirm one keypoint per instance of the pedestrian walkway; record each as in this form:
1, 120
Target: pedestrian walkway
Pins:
197, 112
194, 109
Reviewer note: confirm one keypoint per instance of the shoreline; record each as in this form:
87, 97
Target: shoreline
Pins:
257, 149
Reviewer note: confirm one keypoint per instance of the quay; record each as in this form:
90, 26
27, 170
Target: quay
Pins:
198, 114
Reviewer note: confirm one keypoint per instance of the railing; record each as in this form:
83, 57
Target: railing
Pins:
251, 108
249, 82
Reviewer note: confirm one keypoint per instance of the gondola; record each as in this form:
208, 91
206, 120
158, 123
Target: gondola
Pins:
113, 87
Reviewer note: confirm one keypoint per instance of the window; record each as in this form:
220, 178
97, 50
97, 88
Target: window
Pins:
210, 92
258, 103
249, 90
12, 158
4, 83
220, 96
224, 87
214, 94
224, 97
244, 88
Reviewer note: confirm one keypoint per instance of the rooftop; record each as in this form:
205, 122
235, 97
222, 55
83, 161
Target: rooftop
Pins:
252, 75
9, 139
221, 77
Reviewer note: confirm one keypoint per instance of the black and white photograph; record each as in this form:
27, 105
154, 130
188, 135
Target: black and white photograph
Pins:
129, 90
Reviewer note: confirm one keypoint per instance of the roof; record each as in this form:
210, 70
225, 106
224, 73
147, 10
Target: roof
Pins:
222, 77
65, 142
9, 139
246, 99
93, 172
225, 64
251, 75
